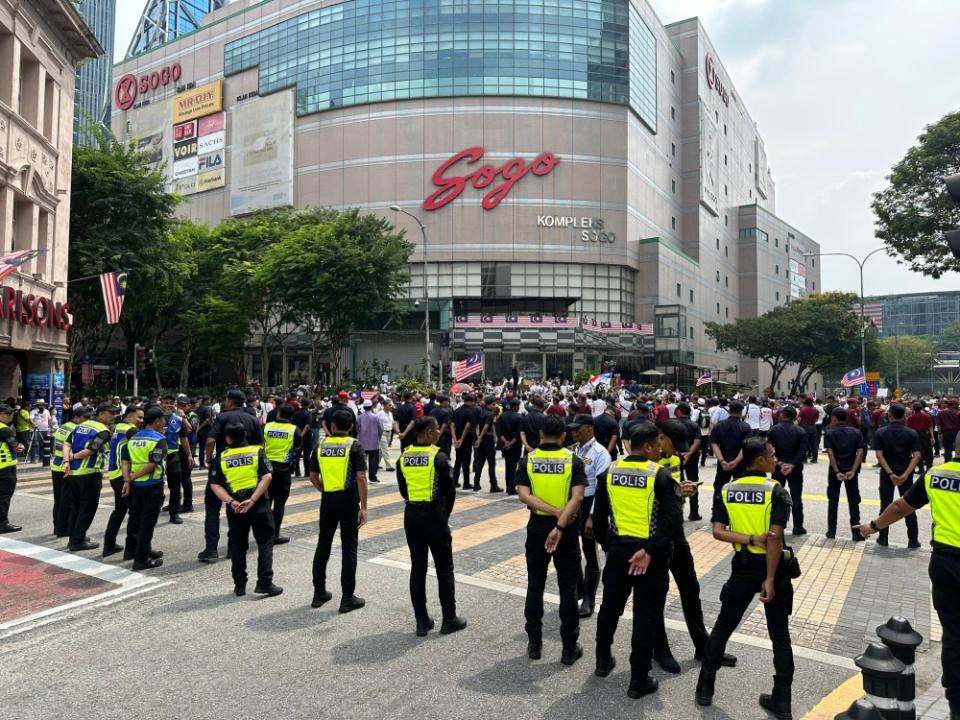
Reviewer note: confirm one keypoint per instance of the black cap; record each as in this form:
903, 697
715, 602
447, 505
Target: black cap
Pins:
107, 407
735, 406
238, 396
583, 419
4, 408
469, 397
677, 433
152, 415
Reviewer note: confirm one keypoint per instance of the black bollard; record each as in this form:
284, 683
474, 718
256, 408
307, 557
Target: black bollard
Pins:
903, 641
881, 679
860, 710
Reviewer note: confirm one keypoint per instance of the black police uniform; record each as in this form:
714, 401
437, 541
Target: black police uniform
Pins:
844, 441
461, 417
509, 426
566, 560
405, 414
729, 435
691, 469
897, 442
791, 443
486, 451
204, 415
532, 425
444, 417
605, 428
8, 475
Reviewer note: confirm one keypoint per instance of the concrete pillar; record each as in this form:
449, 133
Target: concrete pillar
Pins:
9, 70
31, 90
41, 95
6, 219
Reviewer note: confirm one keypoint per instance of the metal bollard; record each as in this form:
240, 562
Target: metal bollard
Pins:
903, 641
881, 679
860, 710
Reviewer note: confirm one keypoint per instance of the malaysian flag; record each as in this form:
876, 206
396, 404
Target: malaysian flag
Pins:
853, 378
465, 368
706, 378
114, 284
10, 262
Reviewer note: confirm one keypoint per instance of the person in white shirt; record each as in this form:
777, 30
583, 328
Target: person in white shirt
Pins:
751, 415
766, 418
598, 406
44, 423
385, 416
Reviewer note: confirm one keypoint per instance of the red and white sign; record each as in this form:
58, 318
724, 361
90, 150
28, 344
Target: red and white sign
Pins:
213, 123
713, 80
512, 172
185, 131
129, 86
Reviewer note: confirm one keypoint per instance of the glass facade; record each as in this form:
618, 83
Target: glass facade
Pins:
92, 97
364, 51
913, 314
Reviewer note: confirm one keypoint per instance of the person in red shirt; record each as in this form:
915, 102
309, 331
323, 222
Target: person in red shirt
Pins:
948, 420
660, 412
556, 408
921, 421
807, 418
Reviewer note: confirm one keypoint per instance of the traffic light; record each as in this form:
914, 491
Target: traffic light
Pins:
148, 358
141, 359
953, 236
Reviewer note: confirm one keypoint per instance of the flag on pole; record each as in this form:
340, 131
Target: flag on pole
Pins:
602, 379
114, 284
706, 378
853, 378
465, 368
10, 262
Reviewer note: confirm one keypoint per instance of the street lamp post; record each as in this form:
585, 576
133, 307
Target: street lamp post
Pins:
863, 329
426, 287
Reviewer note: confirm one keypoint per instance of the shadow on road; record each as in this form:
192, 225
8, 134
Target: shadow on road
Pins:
376, 649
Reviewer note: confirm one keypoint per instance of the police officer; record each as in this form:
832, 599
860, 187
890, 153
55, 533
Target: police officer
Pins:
464, 422
339, 471
405, 416
122, 432
940, 488
509, 425
83, 456
845, 449
143, 459
234, 413
176, 433
187, 463
751, 515
240, 479
485, 446
280, 442
639, 551
10, 448
444, 417
689, 465
533, 424
898, 454
423, 476
726, 439
791, 443
61, 509
551, 482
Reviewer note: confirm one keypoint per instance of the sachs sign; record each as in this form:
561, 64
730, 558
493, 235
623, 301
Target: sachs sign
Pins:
512, 172
129, 86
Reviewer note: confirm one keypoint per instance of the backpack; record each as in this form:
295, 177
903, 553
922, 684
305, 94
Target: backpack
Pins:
704, 420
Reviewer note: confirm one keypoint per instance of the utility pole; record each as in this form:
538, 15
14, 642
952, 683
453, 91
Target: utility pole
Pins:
136, 369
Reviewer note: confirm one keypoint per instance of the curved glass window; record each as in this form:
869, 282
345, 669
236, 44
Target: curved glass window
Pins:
364, 51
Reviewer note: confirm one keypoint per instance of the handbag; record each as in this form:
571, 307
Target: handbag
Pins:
789, 563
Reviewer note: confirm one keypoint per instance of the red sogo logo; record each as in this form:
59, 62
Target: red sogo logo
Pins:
713, 80
128, 87
512, 172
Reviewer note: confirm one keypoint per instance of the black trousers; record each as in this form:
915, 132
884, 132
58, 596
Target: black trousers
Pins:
486, 453
260, 520
145, 502
813, 446
511, 460
83, 498
649, 595
926, 454
589, 545
704, 449
175, 481
949, 443
886, 498
691, 472
794, 483
8, 483
444, 443
464, 452
186, 478
61, 512
720, 479
852, 489
202, 436
211, 518
945, 577
816, 448
373, 464
278, 491
338, 509
115, 520
566, 559
746, 579
428, 530
685, 576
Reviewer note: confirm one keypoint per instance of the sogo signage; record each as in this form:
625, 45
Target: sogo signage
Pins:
129, 86
713, 80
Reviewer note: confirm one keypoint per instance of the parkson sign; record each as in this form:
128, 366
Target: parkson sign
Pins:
33, 310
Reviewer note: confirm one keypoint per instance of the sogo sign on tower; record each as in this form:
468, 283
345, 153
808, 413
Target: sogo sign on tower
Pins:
129, 87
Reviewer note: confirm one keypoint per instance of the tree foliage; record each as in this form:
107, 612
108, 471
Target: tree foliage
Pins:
916, 357
949, 339
915, 210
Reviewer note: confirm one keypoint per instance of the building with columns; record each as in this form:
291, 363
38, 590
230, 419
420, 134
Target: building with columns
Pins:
41, 44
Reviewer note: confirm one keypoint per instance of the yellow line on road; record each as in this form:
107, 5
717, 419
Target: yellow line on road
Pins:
313, 515
478, 533
838, 700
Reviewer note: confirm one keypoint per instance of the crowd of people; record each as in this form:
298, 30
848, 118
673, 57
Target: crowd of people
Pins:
609, 469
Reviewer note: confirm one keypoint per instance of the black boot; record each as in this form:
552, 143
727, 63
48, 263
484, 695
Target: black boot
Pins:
571, 653
591, 582
640, 686
705, 685
778, 707
605, 663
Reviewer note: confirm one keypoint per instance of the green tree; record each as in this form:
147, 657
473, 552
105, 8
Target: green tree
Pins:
761, 337
916, 357
340, 274
950, 337
915, 210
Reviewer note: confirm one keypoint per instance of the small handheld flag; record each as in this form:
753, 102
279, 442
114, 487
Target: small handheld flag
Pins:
853, 378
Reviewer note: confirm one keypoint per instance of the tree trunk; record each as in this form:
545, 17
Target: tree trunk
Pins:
185, 369
285, 372
156, 366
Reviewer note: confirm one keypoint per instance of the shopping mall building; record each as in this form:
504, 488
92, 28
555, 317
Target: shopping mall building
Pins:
590, 182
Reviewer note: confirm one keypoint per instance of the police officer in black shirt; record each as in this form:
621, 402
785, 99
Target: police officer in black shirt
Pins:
464, 422
234, 412
509, 425
845, 448
405, 416
791, 444
444, 417
689, 465
485, 446
606, 431
727, 438
533, 424
898, 454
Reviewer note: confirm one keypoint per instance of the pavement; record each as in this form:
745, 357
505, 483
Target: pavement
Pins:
187, 640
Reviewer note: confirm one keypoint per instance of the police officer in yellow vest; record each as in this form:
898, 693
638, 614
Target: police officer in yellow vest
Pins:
941, 489
122, 431
751, 515
61, 508
143, 463
423, 475
551, 481
10, 448
339, 470
281, 439
241, 477
636, 515
84, 456
674, 441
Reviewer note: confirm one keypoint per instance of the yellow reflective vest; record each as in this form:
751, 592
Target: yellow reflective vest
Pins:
748, 501
942, 484
550, 473
630, 487
419, 472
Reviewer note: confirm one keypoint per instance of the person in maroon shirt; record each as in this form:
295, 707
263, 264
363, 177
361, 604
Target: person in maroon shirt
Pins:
876, 415
660, 412
556, 408
948, 420
921, 421
853, 412
807, 419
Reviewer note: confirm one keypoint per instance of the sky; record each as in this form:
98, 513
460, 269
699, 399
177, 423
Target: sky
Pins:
839, 89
